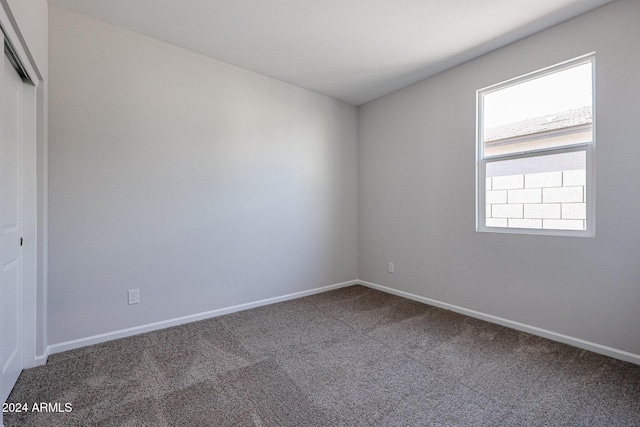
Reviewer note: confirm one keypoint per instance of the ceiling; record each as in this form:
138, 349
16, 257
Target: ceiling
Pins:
352, 50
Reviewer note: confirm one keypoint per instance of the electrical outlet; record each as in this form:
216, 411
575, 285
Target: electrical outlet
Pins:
134, 296
391, 267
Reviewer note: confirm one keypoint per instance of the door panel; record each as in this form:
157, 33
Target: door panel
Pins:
11, 227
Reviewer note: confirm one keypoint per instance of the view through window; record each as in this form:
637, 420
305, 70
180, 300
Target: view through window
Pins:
535, 146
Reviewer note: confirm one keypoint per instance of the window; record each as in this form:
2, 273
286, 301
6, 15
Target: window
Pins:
535, 145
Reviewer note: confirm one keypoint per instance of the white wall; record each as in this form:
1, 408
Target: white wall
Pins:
201, 184
417, 193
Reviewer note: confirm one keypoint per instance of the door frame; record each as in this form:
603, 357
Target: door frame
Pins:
34, 160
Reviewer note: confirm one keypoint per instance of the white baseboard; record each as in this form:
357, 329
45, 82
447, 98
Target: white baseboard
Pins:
123, 333
42, 358
576, 342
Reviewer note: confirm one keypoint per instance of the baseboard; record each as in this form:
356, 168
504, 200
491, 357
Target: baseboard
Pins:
576, 342
123, 333
42, 359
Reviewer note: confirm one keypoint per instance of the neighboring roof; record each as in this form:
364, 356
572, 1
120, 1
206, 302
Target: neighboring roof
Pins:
562, 120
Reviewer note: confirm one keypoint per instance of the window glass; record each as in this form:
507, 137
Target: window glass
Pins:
541, 192
536, 151
550, 111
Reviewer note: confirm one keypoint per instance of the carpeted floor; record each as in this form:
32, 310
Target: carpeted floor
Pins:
349, 357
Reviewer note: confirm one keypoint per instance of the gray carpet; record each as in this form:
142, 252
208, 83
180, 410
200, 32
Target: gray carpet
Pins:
349, 357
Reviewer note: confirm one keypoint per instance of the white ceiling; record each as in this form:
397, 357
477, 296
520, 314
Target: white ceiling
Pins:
353, 50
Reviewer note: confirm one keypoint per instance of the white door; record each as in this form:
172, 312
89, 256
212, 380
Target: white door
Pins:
10, 227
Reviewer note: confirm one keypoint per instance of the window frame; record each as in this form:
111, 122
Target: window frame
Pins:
588, 147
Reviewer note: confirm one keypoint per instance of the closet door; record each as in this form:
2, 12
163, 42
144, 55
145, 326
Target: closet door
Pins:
11, 306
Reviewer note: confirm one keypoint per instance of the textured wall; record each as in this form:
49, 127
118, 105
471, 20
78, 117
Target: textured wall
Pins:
546, 200
417, 193
199, 183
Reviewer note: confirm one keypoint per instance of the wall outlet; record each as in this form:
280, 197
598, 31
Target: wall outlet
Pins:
134, 296
391, 267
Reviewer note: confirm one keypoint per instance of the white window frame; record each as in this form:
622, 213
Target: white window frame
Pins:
588, 148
